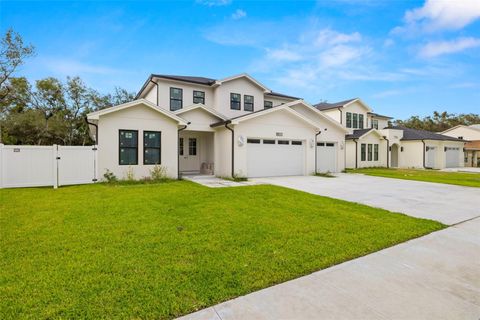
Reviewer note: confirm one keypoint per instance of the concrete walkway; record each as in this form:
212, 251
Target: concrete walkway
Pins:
214, 182
463, 169
446, 203
433, 277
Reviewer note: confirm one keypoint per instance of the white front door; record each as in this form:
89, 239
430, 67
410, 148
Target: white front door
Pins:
430, 161
326, 157
188, 153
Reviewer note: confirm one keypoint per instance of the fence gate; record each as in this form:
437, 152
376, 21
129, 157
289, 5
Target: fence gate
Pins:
34, 166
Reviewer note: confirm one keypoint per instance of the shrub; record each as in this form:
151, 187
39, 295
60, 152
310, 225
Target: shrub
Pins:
158, 173
129, 174
109, 176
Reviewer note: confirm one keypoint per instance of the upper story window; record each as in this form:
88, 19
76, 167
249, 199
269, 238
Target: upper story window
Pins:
176, 99
128, 147
360, 121
267, 104
235, 101
198, 97
247, 103
355, 121
374, 124
349, 119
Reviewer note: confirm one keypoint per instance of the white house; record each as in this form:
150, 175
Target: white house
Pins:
371, 142
472, 147
230, 127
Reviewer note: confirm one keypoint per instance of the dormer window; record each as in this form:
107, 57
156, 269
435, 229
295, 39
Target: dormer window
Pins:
267, 104
176, 99
235, 101
360, 121
247, 103
198, 97
355, 121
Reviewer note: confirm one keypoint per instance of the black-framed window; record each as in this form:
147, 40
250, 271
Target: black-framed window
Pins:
375, 152
360, 121
127, 147
330, 144
256, 141
355, 121
363, 152
374, 124
268, 141
176, 99
320, 144
370, 152
192, 146
267, 104
198, 97
283, 142
296, 143
180, 146
152, 142
247, 103
235, 101
349, 119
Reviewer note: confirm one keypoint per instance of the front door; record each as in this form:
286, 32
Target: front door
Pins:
188, 153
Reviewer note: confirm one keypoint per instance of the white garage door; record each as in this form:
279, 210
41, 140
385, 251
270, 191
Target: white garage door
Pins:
452, 155
275, 157
326, 156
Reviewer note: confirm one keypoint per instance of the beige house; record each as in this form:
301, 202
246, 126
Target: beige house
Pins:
229, 127
472, 148
371, 142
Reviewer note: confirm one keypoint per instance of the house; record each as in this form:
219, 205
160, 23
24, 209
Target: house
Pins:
234, 126
371, 142
472, 147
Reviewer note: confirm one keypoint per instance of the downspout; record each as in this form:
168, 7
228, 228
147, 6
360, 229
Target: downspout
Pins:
316, 136
233, 147
356, 153
178, 154
424, 151
388, 151
155, 83
341, 114
96, 129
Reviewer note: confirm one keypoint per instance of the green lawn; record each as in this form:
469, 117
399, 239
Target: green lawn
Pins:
163, 250
457, 178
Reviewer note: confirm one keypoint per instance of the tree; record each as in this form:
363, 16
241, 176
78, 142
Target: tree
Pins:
439, 121
13, 53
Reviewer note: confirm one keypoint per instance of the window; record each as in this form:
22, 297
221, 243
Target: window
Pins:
355, 120
369, 152
283, 142
321, 144
374, 124
349, 119
176, 99
248, 103
128, 147
375, 152
267, 104
235, 101
296, 143
268, 141
363, 152
152, 141
360, 121
180, 147
198, 97
330, 145
253, 140
192, 146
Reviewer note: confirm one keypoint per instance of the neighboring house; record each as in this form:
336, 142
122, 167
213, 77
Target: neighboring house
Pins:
230, 127
472, 147
371, 142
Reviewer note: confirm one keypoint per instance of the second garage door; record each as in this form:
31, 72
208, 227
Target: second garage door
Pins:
326, 157
452, 156
275, 157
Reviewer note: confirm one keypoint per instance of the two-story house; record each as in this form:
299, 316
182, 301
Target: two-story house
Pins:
234, 126
372, 142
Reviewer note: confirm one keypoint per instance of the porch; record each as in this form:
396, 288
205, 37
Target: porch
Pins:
196, 152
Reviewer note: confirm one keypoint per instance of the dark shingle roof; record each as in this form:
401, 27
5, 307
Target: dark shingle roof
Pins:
197, 80
357, 133
379, 115
326, 106
281, 95
415, 134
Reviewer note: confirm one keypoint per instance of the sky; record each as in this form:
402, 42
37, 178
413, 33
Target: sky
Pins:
401, 57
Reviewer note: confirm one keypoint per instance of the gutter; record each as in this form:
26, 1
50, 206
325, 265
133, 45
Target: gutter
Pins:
178, 154
388, 151
424, 151
316, 136
356, 153
96, 129
233, 146
155, 83
341, 114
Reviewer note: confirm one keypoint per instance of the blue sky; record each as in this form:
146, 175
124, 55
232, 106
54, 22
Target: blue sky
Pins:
402, 58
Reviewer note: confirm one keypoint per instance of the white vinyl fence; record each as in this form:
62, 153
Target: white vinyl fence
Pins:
34, 166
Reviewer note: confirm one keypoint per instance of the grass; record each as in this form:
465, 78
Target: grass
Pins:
456, 178
325, 175
155, 251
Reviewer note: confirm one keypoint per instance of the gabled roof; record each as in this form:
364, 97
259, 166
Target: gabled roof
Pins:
376, 115
243, 75
281, 95
475, 127
203, 107
415, 134
95, 115
360, 133
341, 104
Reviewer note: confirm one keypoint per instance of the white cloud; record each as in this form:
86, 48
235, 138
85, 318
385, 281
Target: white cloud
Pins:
283, 55
438, 15
239, 14
69, 67
214, 3
437, 48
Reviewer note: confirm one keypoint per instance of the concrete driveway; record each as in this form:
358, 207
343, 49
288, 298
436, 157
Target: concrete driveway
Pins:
448, 204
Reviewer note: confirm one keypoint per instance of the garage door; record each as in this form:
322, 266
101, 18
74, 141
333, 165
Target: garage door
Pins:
326, 156
452, 155
275, 157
